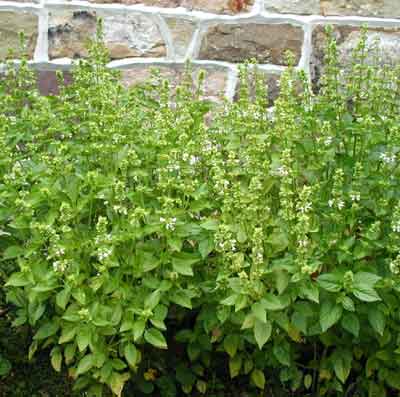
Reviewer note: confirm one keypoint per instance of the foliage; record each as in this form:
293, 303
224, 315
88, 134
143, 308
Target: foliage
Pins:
264, 245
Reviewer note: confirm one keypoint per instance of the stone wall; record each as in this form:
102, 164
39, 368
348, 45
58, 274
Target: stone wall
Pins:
215, 34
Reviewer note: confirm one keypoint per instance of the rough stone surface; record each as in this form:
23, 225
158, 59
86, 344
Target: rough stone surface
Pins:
125, 35
182, 33
293, 6
216, 6
371, 8
267, 43
220, 6
381, 42
11, 23
154, 3
69, 33
214, 84
133, 36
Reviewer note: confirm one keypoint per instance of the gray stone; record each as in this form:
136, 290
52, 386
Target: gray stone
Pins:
124, 35
219, 6
182, 33
371, 8
133, 36
267, 43
293, 6
154, 3
383, 45
214, 6
11, 25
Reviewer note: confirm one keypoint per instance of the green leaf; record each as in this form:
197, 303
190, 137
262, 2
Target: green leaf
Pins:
68, 333
32, 349
206, 247
18, 280
5, 365
348, 304
138, 329
282, 280
46, 330
366, 294
85, 364
155, 338
351, 324
62, 298
310, 291
308, 381
83, 338
330, 314
259, 312
210, 224
235, 364
273, 302
152, 300
182, 263
181, 298
363, 286
231, 344
377, 320
282, 353
230, 300
330, 282
342, 360
56, 358
365, 279
131, 354
262, 332
184, 375
13, 252
69, 353
258, 378
241, 234
117, 382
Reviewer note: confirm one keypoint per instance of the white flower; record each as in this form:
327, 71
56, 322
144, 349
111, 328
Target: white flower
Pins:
340, 204
303, 243
56, 265
282, 171
396, 227
355, 197
328, 140
60, 266
193, 160
389, 159
394, 267
305, 208
120, 209
171, 224
104, 253
60, 252
336, 202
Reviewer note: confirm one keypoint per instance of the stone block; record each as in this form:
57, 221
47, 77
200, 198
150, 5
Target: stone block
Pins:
125, 35
11, 25
383, 45
267, 43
